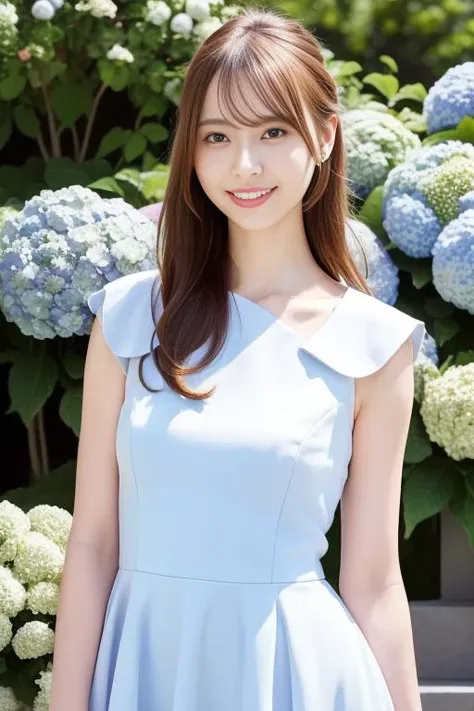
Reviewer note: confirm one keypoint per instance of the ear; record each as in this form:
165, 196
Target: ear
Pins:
328, 137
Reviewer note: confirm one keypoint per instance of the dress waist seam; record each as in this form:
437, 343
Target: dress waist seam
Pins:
228, 582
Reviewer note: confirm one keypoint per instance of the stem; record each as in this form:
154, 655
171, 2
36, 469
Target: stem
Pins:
43, 446
33, 450
55, 145
75, 140
90, 122
42, 146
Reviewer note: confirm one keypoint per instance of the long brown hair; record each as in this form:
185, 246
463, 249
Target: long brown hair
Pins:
283, 63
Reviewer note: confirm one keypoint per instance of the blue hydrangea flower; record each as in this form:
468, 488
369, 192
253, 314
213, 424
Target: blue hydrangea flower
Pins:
450, 99
429, 349
63, 245
422, 195
373, 261
375, 143
453, 262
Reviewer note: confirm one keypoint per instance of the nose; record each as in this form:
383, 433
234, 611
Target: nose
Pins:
247, 162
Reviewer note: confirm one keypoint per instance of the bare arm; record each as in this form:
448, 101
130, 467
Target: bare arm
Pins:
370, 579
92, 552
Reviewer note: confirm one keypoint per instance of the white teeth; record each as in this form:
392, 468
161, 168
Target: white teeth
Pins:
251, 196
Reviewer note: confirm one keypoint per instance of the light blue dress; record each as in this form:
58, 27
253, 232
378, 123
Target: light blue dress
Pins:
220, 602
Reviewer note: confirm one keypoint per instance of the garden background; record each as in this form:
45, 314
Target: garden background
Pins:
88, 95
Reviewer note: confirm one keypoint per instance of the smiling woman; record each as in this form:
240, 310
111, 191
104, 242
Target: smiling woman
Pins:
247, 386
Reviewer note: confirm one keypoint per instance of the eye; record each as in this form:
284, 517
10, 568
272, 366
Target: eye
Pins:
282, 131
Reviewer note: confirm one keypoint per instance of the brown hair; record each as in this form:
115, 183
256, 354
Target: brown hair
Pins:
283, 63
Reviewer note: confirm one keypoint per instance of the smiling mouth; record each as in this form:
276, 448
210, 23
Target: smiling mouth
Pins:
250, 198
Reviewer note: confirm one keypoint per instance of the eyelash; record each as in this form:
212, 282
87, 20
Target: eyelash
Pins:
214, 133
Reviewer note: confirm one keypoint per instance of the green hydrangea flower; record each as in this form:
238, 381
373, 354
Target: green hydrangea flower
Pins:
12, 594
53, 522
375, 143
424, 371
8, 550
448, 411
8, 700
41, 702
14, 523
38, 559
43, 598
6, 634
33, 640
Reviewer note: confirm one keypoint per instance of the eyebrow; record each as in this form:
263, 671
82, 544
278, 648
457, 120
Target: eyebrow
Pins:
223, 122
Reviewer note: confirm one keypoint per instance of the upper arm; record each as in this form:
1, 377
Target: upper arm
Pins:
95, 518
370, 504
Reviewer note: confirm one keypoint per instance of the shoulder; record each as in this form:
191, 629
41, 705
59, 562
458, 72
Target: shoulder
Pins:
127, 309
364, 334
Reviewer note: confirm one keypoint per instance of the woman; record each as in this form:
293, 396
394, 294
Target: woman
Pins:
245, 387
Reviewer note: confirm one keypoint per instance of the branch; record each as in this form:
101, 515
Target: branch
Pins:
33, 451
75, 140
55, 145
42, 146
90, 122
43, 446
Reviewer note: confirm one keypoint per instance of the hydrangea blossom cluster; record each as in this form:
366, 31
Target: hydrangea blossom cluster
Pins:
97, 8
425, 366
375, 143
8, 23
120, 54
63, 245
373, 261
427, 211
46, 9
29, 584
447, 411
450, 99
195, 19
453, 261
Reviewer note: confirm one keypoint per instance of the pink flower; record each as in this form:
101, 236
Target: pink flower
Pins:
152, 211
24, 55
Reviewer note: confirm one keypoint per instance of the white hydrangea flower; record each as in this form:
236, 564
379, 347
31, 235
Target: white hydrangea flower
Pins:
12, 594
8, 550
157, 12
43, 10
38, 559
172, 90
97, 8
14, 523
182, 24
448, 411
33, 640
41, 702
121, 54
199, 10
8, 700
6, 634
43, 598
424, 370
230, 11
8, 15
203, 30
53, 522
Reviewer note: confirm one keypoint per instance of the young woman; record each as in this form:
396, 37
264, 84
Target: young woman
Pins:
232, 398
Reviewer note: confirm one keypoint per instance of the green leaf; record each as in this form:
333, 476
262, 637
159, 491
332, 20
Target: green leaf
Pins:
418, 446
135, 146
347, 69
31, 382
154, 185
114, 75
109, 184
445, 329
390, 62
114, 139
73, 364
26, 121
421, 273
385, 83
56, 489
371, 213
465, 129
464, 357
438, 308
70, 102
154, 106
426, 491
12, 86
154, 132
97, 168
6, 125
8, 356
463, 510
70, 409
417, 92
63, 172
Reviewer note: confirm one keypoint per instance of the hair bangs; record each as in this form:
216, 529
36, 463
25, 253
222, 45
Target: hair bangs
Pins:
256, 78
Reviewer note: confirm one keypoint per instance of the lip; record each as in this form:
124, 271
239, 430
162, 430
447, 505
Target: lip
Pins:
256, 189
251, 203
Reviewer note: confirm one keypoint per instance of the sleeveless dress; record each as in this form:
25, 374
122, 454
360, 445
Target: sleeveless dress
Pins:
220, 602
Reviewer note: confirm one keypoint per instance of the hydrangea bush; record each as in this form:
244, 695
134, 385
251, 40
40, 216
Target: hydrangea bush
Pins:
31, 565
